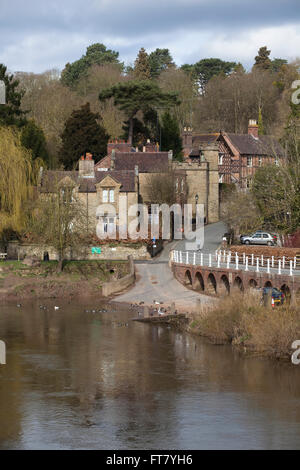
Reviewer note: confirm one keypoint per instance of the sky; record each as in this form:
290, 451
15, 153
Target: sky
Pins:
38, 35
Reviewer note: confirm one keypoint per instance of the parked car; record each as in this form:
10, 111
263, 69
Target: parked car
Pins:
276, 295
258, 238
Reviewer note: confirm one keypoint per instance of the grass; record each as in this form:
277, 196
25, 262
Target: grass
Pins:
242, 321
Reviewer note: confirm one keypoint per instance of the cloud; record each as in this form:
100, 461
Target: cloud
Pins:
38, 35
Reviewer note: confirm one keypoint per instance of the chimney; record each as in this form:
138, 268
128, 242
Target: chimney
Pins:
187, 140
253, 128
87, 166
112, 159
136, 178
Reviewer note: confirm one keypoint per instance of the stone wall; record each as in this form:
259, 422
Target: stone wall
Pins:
108, 252
112, 287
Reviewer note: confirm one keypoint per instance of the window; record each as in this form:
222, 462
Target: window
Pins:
221, 155
111, 195
276, 161
249, 161
182, 185
176, 184
105, 195
248, 183
221, 177
259, 161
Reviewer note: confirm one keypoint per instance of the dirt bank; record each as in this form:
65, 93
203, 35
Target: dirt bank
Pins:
78, 279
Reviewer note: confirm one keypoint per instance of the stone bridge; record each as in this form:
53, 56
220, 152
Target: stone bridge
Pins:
207, 273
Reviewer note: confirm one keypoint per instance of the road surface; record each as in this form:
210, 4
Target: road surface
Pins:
155, 281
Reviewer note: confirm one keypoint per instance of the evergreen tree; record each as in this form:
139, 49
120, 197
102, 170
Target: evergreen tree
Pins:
33, 138
141, 69
170, 135
205, 69
82, 134
134, 96
160, 60
262, 60
95, 54
11, 113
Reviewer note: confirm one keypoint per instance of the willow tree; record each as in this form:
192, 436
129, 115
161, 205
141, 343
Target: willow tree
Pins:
16, 177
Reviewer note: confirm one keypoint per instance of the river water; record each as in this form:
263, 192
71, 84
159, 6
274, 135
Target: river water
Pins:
80, 380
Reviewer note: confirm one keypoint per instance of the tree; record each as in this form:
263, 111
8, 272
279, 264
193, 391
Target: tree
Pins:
170, 135
276, 64
261, 130
159, 61
82, 134
262, 60
16, 177
33, 138
141, 69
50, 104
176, 80
205, 69
95, 54
59, 219
11, 113
134, 96
239, 212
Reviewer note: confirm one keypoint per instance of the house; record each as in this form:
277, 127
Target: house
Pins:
125, 177
95, 188
196, 181
239, 154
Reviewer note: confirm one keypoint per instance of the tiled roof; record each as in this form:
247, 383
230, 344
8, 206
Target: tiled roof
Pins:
147, 162
202, 139
246, 144
51, 178
125, 177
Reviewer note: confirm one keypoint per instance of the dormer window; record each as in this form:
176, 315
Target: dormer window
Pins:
108, 195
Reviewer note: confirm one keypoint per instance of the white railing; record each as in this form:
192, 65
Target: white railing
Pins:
221, 259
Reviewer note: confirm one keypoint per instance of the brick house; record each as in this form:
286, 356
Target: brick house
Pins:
239, 154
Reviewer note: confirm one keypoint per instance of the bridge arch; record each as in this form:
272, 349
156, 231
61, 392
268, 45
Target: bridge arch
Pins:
188, 277
287, 292
199, 282
238, 284
268, 284
253, 283
224, 285
211, 284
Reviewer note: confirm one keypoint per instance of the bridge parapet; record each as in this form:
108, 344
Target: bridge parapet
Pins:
216, 273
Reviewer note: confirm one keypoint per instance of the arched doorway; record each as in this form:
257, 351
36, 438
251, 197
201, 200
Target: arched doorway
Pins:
199, 282
211, 284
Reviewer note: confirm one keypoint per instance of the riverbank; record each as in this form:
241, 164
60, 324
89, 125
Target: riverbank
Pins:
19, 281
248, 326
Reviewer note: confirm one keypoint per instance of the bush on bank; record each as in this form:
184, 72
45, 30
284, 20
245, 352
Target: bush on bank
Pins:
243, 322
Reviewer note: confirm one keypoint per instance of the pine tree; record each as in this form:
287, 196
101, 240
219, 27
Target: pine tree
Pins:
141, 69
33, 138
262, 60
170, 135
82, 134
135, 95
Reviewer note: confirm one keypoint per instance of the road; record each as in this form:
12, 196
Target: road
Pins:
155, 280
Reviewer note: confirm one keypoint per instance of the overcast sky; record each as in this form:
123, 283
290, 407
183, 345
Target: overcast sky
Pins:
37, 35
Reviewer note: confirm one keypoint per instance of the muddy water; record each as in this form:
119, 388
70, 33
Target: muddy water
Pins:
78, 380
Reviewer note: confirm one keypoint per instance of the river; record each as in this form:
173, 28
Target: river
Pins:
83, 380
